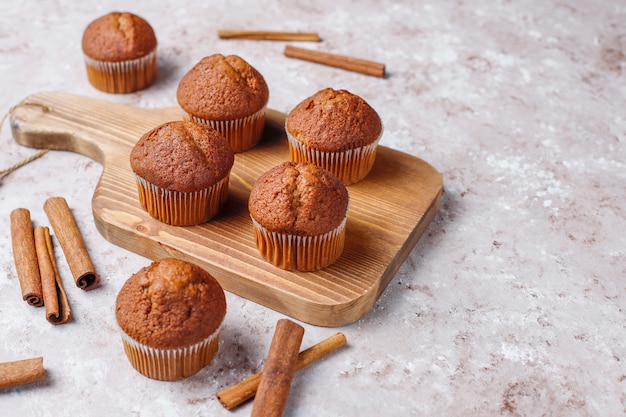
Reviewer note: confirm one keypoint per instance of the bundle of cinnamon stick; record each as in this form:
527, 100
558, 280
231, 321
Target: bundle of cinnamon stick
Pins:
349, 63
270, 387
35, 261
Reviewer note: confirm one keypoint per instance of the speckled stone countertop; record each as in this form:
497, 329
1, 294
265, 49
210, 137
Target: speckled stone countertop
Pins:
512, 303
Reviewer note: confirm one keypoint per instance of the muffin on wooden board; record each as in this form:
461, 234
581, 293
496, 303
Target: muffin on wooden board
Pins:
182, 170
170, 314
229, 94
120, 53
299, 213
336, 130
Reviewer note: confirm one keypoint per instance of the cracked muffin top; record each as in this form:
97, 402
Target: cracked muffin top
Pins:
334, 121
182, 156
170, 303
118, 36
221, 88
298, 198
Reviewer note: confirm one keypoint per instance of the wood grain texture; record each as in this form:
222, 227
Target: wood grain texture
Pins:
389, 210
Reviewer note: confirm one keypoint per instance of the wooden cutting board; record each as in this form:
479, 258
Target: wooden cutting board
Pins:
389, 210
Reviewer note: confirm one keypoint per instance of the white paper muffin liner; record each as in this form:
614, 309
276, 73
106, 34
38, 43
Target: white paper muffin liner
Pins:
300, 253
170, 364
242, 134
122, 76
182, 208
349, 166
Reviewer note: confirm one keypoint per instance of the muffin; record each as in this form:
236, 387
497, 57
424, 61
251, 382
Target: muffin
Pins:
170, 314
182, 170
120, 53
229, 94
336, 130
299, 213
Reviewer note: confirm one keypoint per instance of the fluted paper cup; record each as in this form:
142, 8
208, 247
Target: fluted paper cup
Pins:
300, 253
349, 166
123, 76
182, 208
242, 134
170, 364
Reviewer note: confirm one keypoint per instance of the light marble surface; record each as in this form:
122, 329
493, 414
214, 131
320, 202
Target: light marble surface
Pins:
513, 302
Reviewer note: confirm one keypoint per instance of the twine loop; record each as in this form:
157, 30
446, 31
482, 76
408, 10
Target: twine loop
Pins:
31, 158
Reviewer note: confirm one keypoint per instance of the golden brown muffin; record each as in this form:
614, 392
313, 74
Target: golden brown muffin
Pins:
303, 200
229, 94
120, 53
182, 170
337, 130
170, 314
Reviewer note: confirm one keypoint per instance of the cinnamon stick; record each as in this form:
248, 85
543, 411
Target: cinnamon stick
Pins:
339, 61
21, 372
266, 35
72, 242
55, 300
242, 391
275, 383
25, 256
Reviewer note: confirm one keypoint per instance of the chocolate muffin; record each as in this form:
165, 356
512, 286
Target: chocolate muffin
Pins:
182, 170
170, 314
229, 94
299, 212
120, 53
336, 130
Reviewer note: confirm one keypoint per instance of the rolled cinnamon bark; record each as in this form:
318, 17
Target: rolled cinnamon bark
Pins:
25, 256
268, 35
55, 300
21, 372
349, 63
72, 242
271, 396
